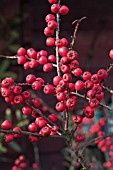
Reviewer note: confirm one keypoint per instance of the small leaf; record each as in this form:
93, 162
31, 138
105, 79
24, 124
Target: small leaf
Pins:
8, 114
15, 146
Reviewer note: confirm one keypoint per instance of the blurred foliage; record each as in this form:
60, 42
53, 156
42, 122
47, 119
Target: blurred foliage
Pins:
8, 36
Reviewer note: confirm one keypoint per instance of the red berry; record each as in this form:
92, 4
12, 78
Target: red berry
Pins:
86, 75
55, 8
89, 112
95, 79
48, 31
102, 74
52, 58
31, 53
30, 78
52, 24
93, 102
60, 106
21, 51
17, 90
111, 54
40, 122
36, 85
77, 119
26, 110
49, 17
74, 64
5, 92
19, 130
52, 1
33, 63
45, 131
77, 72
18, 99
47, 67
79, 85
8, 137
48, 89
70, 102
61, 96
32, 138
21, 59
63, 51
6, 125
42, 60
56, 80
58, 43
63, 10
36, 102
79, 137
52, 117
67, 77
64, 41
50, 41
43, 53
32, 127
26, 65
26, 95
72, 55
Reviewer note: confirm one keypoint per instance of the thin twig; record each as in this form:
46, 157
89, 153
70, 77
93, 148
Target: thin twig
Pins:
66, 120
75, 32
11, 57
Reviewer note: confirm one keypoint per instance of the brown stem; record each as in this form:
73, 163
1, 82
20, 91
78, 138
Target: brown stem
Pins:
11, 57
66, 120
75, 32
110, 68
101, 104
82, 161
107, 89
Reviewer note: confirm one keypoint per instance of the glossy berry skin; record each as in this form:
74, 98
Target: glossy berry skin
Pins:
77, 72
48, 89
33, 63
43, 53
88, 112
40, 122
32, 127
6, 125
52, 1
31, 53
60, 106
26, 110
111, 54
21, 60
72, 55
93, 102
36, 85
52, 24
70, 102
45, 131
47, 67
32, 138
79, 138
52, 117
42, 60
8, 137
77, 119
49, 17
63, 51
26, 95
35, 102
74, 64
48, 31
95, 79
63, 10
50, 41
102, 74
55, 8
64, 41
5, 91
21, 51
56, 80
6, 82
17, 135
51, 58
18, 99
79, 85
86, 75
61, 96
58, 43
30, 78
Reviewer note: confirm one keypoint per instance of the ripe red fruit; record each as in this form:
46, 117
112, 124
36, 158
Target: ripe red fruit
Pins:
65, 68
26, 65
36, 102
35, 165
52, 1
88, 84
32, 138
55, 8
21, 59
70, 102
42, 60
8, 137
18, 99
49, 17
23, 165
77, 72
60, 106
50, 41
26, 95
93, 102
33, 63
48, 89
43, 53
111, 54
6, 82
64, 41
63, 10
58, 43
67, 77
52, 117
30, 78
56, 80
6, 125
63, 51
61, 96
32, 127
48, 31
26, 110
47, 67
77, 119
40, 122
74, 64
52, 58
88, 112
72, 55
5, 91
79, 85
95, 79
17, 135
102, 74
79, 138
31, 53
52, 24
36, 85
15, 168
21, 51
86, 75
45, 131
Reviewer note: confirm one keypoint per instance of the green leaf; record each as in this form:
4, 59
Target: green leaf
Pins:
18, 115
8, 114
15, 146
2, 148
13, 47
22, 123
4, 65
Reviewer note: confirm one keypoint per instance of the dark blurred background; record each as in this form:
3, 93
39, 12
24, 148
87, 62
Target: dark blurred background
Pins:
22, 24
